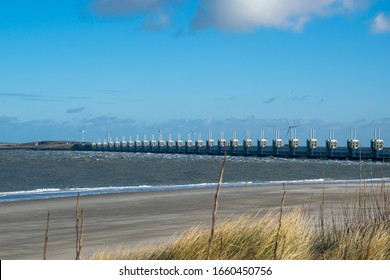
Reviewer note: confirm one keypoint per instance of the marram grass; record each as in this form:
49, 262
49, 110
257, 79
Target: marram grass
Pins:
361, 232
251, 238
246, 237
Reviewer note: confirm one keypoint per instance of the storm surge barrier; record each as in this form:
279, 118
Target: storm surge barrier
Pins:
247, 147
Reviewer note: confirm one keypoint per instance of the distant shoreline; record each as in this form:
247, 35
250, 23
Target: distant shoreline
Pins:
48, 146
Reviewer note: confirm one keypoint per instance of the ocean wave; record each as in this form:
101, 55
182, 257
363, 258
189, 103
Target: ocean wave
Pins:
47, 193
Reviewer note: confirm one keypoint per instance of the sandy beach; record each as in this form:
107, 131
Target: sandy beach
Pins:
123, 220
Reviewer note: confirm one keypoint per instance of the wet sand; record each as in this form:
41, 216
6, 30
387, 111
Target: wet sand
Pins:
123, 220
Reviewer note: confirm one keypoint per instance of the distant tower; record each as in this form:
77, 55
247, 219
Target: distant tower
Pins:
262, 142
117, 144
111, 144
222, 142
145, 142
353, 142
234, 142
277, 142
189, 141
124, 143
179, 142
131, 142
138, 142
161, 142
247, 140
170, 142
312, 141
293, 142
210, 141
99, 145
82, 135
377, 144
199, 141
153, 142
331, 143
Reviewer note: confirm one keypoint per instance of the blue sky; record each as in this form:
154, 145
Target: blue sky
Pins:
134, 67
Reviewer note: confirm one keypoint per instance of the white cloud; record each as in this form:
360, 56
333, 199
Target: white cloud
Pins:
236, 15
381, 24
246, 15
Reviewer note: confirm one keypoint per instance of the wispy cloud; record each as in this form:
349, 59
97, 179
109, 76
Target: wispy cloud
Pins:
77, 97
24, 96
156, 13
97, 127
381, 24
296, 98
270, 100
247, 15
12, 94
121, 7
156, 22
75, 110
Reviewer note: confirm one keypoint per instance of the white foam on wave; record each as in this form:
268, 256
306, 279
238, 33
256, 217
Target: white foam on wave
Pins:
326, 181
73, 191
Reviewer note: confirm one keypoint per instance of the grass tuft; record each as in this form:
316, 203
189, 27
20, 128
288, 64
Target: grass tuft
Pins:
360, 231
246, 237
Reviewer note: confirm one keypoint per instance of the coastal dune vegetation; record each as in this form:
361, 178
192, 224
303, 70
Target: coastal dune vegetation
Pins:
357, 229
362, 232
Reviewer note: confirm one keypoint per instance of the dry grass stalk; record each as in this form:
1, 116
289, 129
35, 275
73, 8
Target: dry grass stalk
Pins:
244, 238
280, 222
79, 228
216, 205
322, 218
367, 256
253, 238
81, 234
46, 235
77, 224
359, 231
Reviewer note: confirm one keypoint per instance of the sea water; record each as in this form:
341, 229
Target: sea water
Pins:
26, 175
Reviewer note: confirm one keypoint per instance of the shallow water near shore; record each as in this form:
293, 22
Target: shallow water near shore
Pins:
27, 175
